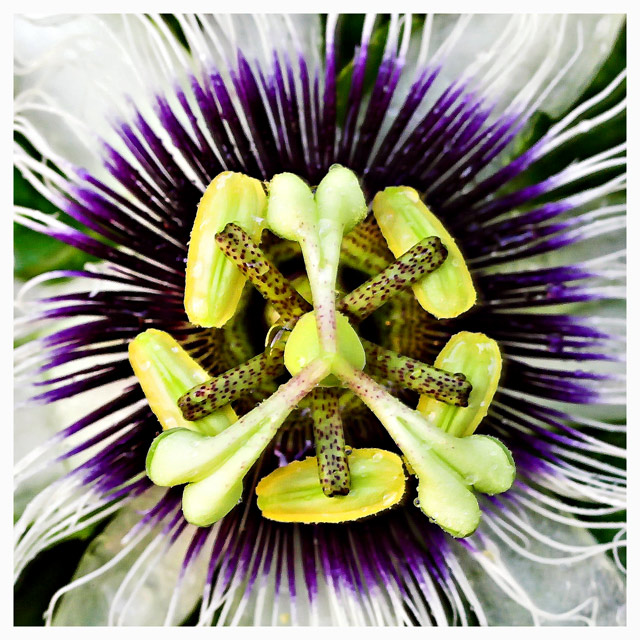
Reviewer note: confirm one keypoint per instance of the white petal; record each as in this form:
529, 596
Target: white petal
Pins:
87, 68
554, 589
532, 42
145, 598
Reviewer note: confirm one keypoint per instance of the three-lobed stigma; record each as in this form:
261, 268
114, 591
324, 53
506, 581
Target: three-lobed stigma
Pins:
316, 339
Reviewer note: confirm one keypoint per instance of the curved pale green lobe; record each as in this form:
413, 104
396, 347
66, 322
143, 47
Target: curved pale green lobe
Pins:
216, 465
303, 346
447, 467
318, 225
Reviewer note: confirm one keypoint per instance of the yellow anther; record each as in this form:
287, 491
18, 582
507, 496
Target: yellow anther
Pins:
405, 220
478, 357
293, 493
165, 372
213, 283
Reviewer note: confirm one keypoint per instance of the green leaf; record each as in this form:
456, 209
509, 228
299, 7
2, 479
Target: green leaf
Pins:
35, 253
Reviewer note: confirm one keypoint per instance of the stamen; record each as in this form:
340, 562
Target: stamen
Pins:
214, 284
480, 360
404, 220
238, 246
447, 467
450, 388
423, 258
165, 371
333, 466
215, 466
293, 494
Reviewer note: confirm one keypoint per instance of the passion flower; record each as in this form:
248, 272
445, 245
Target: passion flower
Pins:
503, 133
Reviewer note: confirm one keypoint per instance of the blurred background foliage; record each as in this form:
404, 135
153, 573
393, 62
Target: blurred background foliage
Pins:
35, 253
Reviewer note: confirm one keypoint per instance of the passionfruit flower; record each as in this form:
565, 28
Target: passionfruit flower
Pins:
348, 351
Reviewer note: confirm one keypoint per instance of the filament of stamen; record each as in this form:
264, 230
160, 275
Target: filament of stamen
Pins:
240, 381
238, 246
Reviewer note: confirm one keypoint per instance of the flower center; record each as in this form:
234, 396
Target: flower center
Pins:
303, 346
210, 450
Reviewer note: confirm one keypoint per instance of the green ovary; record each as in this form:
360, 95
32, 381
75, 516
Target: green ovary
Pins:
303, 346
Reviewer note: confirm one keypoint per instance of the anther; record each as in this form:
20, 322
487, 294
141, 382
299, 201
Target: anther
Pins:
404, 220
213, 284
